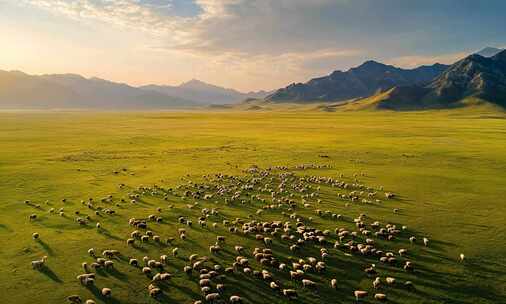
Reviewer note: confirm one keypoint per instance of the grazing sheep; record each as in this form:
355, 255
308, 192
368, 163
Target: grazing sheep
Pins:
35, 235
268, 241
74, 299
89, 301
462, 257
370, 270
408, 285
193, 257
133, 262
220, 288
380, 296
214, 248
86, 279
106, 292
235, 299
274, 285
154, 292
187, 269
37, 264
174, 251
84, 265
130, 241
108, 264
426, 242
376, 283
290, 293
390, 280
359, 294
212, 297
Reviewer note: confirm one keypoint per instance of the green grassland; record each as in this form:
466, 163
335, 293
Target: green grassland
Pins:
448, 169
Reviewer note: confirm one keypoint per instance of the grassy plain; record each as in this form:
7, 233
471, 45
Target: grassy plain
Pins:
448, 167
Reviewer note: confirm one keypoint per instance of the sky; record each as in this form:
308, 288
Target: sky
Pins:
242, 44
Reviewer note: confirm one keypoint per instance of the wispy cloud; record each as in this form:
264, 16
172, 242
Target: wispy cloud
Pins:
237, 36
301, 37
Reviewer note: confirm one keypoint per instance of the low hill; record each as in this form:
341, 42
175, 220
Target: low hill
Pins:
472, 78
365, 80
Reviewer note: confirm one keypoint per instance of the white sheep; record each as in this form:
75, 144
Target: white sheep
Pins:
37, 264
106, 292
235, 299
376, 283
360, 294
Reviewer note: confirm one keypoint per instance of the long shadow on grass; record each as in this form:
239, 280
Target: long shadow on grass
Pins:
118, 275
5, 227
50, 274
106, 233
46, 247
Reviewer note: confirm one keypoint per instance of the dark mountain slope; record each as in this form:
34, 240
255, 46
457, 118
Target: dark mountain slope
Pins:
474, 77
367, 79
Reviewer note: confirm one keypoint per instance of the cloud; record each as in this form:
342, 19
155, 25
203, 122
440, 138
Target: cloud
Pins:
260, 38
241, 26
304, 38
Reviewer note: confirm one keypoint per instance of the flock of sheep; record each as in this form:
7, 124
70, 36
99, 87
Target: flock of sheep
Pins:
279, 198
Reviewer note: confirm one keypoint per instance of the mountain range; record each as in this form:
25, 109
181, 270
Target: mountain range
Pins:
481, 76
204, 93
474, 77
22, 91
370, 85
365, 80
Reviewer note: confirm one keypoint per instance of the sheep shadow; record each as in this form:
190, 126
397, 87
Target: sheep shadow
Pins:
50, 274
106, 233
46, 247
5, 227
118, 275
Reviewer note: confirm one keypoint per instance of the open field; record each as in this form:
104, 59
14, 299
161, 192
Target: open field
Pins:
447, 168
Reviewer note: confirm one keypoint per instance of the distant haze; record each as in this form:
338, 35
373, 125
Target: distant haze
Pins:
56, 91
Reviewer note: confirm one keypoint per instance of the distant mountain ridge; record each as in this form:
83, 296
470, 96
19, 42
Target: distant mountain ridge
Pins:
204, 93
365, 80
474, 77
22, 91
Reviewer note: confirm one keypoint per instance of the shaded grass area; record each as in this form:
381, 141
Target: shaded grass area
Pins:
448, 168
